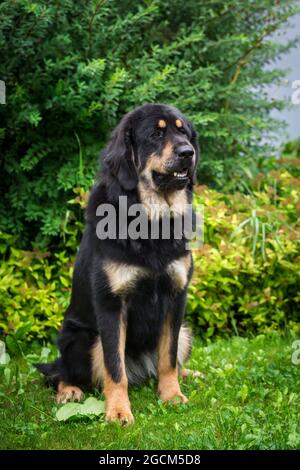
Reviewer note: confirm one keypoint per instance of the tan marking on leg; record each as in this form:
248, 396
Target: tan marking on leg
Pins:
162, 124
168, 385
178, 270
68, 393
97, 363
116, 394
123, 277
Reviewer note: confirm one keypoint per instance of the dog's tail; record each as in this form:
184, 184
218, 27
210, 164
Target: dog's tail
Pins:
51, 372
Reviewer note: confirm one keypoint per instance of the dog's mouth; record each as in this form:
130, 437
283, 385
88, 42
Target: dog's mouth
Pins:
172, 179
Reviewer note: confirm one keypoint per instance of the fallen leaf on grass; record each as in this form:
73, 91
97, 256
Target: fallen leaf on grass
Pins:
91, 407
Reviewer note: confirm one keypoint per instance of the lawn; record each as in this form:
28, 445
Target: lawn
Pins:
249, 399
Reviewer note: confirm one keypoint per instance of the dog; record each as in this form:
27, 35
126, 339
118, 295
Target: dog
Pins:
125, 321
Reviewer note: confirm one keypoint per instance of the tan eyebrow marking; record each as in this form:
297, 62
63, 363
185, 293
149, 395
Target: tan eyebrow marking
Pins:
162, 124
178, 123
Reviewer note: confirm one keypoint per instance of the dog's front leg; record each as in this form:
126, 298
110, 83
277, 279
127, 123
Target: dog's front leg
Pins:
112, 324
168, 385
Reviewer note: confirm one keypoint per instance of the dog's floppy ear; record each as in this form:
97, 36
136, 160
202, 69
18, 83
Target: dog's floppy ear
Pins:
118, 155
195, 144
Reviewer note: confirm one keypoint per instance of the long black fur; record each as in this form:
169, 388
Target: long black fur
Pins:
94, 311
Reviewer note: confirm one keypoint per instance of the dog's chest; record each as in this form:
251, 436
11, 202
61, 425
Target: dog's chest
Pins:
123, 278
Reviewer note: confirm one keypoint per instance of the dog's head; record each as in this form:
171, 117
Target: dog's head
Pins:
154, 143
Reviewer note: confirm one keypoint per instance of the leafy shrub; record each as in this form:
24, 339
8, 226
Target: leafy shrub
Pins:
292, 149
244, 175
73, 68
247, 273
246, 277
35, 285
34, 292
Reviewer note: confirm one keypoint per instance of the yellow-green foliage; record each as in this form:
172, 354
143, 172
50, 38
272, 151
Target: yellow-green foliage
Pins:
246, 275
247, 272
34, 291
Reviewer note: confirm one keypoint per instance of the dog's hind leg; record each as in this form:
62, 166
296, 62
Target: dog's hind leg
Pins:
73, 370
52, 376
184, 353
50, 371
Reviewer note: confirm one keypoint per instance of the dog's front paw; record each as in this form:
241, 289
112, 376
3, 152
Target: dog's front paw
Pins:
67, 393
120, 413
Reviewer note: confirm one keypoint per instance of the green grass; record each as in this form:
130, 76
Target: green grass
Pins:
248, 400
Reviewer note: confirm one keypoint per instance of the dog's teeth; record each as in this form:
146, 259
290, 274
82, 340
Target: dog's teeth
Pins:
181, 174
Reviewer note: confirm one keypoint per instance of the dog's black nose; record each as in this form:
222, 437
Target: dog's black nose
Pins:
185, 151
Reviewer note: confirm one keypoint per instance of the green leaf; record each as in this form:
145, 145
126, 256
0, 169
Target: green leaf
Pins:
68, 410
13, 345
243, 392
44, 354
90, 407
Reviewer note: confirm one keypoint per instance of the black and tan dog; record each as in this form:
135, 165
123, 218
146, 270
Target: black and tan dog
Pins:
125, 320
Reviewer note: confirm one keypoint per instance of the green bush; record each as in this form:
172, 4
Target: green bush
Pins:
73, 68
247, 274
246, 277
243, 176
34, 292
35, 285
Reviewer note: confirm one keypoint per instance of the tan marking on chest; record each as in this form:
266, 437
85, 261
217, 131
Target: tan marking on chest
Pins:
178, 202
154, 204
157, 205
122, 278
178, 270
